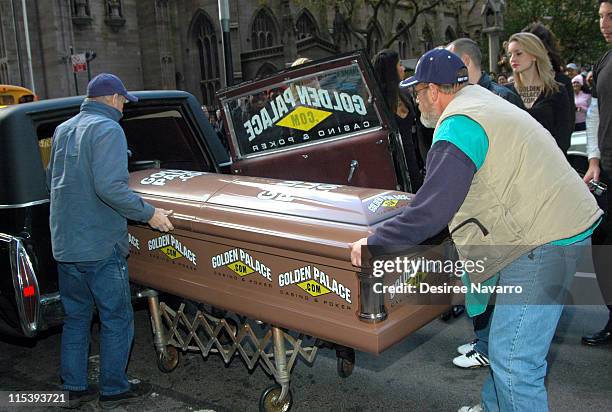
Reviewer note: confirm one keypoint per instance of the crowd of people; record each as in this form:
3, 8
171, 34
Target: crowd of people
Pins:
488, 161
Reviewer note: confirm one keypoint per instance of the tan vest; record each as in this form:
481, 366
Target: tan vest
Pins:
524, 195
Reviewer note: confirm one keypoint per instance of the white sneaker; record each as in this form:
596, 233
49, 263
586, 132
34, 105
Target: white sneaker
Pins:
475, 408
467, 347
472, 359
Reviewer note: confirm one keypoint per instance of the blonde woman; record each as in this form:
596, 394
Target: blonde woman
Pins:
534, 81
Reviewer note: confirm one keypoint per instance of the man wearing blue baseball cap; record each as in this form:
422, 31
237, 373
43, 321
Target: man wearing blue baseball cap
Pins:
90, 201
512, 204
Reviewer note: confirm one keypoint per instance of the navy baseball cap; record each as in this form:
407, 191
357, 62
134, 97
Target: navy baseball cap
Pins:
106, 84
437, 66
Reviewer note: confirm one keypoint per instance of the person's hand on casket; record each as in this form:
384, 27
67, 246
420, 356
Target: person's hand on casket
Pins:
356, 251
160, 220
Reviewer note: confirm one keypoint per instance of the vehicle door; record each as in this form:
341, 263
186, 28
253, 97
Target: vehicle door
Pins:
321, 122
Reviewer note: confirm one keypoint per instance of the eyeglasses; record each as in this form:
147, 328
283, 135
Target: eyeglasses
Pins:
416, 93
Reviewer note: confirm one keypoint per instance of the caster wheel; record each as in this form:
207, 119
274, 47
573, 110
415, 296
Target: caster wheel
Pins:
458, 310
344, 367
268, 400
169, 361
446, 316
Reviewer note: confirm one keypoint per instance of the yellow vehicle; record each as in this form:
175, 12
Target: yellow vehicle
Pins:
15, 95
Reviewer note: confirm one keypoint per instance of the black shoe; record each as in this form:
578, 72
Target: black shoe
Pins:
136, 392
78, 398
600, 338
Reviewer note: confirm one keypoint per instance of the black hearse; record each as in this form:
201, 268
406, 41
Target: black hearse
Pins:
165, 128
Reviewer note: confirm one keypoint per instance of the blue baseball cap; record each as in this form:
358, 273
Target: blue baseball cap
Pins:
106, 84
437, 66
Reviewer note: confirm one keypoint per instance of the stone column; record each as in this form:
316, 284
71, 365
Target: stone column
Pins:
493, 36
289, 33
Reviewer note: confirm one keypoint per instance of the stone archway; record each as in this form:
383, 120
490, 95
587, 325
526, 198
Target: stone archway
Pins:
204, 36
266, 69
263, 30
306, 25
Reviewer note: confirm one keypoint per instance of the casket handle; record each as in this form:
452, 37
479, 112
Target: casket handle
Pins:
352, 167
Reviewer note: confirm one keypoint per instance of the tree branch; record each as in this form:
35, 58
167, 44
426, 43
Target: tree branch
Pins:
417, 11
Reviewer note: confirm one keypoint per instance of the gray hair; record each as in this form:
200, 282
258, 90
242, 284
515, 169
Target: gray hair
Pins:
470, 47
451, 88
102, 99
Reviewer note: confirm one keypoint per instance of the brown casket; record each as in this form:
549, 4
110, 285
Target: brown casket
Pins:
275, 251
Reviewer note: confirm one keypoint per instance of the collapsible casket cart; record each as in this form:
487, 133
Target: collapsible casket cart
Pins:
275, 253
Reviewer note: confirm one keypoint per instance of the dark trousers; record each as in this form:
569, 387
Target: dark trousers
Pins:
602, 247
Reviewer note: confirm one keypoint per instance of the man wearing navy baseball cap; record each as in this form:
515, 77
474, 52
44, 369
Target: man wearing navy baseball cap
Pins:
109, 86
440, 67
87, 178
514, 207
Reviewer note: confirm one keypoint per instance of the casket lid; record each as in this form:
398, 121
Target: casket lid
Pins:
321, 201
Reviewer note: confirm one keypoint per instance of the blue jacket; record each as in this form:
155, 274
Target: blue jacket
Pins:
88, 180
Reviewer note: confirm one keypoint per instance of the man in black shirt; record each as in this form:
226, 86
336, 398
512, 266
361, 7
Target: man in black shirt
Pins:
600, 165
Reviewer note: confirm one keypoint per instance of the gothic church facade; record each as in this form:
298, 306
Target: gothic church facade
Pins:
177, 44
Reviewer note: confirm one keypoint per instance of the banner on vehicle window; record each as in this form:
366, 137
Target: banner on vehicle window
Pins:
311, 108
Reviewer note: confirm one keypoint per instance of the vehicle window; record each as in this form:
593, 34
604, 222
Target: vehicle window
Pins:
26, 98
298, 111
161, 139
44, 132
6, 99
155, 139
44, 146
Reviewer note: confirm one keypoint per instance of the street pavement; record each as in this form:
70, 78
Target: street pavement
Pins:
414, 375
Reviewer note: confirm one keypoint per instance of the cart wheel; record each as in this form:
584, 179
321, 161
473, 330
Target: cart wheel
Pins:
267, 401
344, 367
169, 361
458, 310
446, 315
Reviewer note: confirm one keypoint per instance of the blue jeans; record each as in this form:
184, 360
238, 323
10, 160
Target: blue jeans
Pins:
522, 327
103, 283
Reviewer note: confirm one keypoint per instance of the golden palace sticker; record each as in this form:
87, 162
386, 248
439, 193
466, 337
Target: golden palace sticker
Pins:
313, 288
241, 263
172, 248
314, 281
303, 118
387, 201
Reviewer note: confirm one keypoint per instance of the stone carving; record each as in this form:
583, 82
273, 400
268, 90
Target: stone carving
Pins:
114, 8
80, 13
81, 8
114, 14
